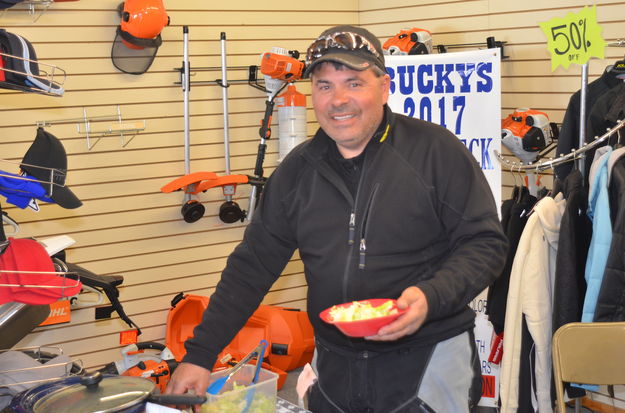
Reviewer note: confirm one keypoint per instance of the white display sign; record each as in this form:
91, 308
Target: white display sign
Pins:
483, 339
462, 92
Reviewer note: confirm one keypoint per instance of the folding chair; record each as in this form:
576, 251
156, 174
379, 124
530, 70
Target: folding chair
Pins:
590, 353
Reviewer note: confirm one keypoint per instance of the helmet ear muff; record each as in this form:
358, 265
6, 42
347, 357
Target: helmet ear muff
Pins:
230, 212
418, 48
192, 211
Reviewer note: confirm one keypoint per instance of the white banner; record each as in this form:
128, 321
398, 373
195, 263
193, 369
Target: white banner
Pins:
462, 92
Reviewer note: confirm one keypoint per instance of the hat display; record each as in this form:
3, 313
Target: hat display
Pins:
46, 160
138, 37
26, 263
20, 64
352, 46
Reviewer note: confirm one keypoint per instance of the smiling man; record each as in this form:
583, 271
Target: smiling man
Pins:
349, 104
380, 206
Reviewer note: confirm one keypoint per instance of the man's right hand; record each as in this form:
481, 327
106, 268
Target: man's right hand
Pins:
189, 377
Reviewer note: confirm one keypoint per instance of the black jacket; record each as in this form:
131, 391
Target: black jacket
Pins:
575, 232
514, 215
423, 216
568, 138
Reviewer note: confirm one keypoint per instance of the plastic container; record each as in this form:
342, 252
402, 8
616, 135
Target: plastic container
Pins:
292, 126
261, 396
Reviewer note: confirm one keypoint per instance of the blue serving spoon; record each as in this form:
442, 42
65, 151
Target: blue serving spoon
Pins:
250, 392
218, 384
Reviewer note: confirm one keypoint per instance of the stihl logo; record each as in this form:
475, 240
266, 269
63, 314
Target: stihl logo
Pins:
58, 312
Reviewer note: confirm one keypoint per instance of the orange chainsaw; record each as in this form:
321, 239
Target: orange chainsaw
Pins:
156, 367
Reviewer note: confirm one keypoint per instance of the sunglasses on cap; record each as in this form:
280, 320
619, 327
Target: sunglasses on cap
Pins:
339, 40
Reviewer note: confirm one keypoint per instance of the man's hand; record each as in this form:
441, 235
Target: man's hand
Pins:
189, 377
414, 300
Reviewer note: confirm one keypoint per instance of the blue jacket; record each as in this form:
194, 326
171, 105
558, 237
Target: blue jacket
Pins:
599, 213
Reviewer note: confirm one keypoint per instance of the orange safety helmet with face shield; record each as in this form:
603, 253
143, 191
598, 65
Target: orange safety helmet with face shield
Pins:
138, 36
525, 133
409, 42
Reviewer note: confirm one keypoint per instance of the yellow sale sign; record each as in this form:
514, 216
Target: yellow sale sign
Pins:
575, 38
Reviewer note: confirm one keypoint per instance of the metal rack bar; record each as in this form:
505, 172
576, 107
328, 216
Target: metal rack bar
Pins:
56, 175
46, 75
31, 6
85, 126
575, 154
41, 354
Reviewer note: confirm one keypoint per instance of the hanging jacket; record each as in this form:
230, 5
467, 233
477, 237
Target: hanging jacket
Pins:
599, 213
423, 215
608, 108
575, 233
514, 216
569, 284
530, 295
611, 299
568, 137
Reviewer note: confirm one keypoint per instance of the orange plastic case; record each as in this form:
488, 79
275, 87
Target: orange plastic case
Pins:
288, 331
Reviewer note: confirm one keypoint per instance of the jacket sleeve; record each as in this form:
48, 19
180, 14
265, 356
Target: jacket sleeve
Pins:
467, 212
250, 272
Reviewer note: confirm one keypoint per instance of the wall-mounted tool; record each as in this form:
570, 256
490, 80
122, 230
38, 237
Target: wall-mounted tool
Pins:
192, 210
280, 68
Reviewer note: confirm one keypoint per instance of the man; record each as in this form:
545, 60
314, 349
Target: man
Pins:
380, 206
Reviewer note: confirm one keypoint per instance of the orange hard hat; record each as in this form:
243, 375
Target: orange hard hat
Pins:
142, 22
409, 42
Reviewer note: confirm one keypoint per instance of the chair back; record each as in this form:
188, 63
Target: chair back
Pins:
589, 353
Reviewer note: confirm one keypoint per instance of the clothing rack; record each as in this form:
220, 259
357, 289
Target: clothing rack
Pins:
575, 154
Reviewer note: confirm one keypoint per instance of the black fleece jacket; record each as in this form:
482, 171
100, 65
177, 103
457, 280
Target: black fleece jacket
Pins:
423, 215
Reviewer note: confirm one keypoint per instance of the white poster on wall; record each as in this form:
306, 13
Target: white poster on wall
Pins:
462, 92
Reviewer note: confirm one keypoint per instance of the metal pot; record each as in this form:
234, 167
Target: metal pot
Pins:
96, 393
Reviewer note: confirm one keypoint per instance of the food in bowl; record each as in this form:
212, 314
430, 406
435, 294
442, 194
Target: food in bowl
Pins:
362, 318
362, 310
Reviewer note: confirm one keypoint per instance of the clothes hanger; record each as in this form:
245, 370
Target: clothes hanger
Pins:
516, 188
523, 190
